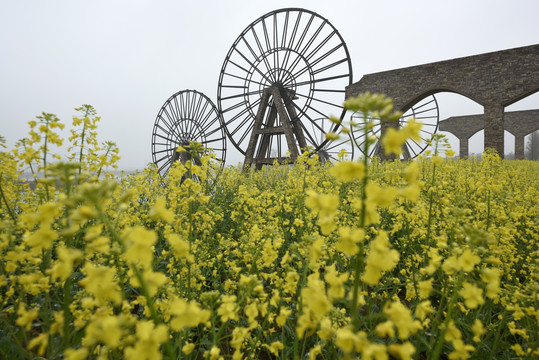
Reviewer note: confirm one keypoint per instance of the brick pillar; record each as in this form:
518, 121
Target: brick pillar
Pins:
463, 147
494, 128
519, 147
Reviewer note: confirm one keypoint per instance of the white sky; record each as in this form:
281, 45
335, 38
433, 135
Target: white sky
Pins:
126, 58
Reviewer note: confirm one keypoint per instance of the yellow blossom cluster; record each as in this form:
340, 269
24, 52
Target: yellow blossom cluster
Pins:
433, 258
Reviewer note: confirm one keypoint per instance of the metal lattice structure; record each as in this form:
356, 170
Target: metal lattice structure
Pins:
186, 116
283, 76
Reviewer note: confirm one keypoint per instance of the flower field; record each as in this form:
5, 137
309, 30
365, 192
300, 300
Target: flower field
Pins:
427, 259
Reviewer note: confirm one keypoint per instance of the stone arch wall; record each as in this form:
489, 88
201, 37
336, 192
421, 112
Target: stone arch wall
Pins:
494, 80
518, 123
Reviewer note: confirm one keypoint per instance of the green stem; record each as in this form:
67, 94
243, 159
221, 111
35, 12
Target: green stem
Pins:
431, 201
440, 340
82, 140
358, 260
10, 212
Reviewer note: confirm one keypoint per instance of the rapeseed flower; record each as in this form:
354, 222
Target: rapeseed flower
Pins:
380, 258
473, 296
478, 330
393, 140
148, 340
228, 309
348, 171
26, 317
403, 351
348, 240
101, 283
139, 242
402, 318
467, 260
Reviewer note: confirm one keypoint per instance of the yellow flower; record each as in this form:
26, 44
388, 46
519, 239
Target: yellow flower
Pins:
186, 314
335, 280
251, 312
315, 252
76, 354
412, 130
283, 316
41, 239
380, 258
105, 330
149, 340
411, 172
188, 348
460, 350
468, 260
314, 352
180, 247
160, 212
423, 309
238, 337
380, 197
227, 309
275, 347
491, 276
42, 340
385, 329
63, 268
374, 351
314, 297
332, 136
348, 240
452, 333
402, 351
215, 353
473, 296
26, 318
410, 192
139, 243
478, 330
326, 330
348, 171
100, 282
401, 316
345, 339
323, 204
393, 140
517, 348
425, 288
437, 160
451, 265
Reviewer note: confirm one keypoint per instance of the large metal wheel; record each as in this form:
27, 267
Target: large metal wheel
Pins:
301, 54
186, 116
425, 111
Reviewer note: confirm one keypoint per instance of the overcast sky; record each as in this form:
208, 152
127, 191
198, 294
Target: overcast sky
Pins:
126, 58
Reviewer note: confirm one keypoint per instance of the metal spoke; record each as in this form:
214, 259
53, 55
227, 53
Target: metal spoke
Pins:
186, 116
303, 56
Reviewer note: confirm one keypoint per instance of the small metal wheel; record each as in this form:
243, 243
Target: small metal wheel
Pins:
425, 111
303, 59
186, 116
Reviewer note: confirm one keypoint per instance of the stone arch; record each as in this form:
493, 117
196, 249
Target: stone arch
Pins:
493, 80
517, 123
522, 96
435, 91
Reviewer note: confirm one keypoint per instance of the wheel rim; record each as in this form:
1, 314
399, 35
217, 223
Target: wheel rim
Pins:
186, 116
425, 111
293, 49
